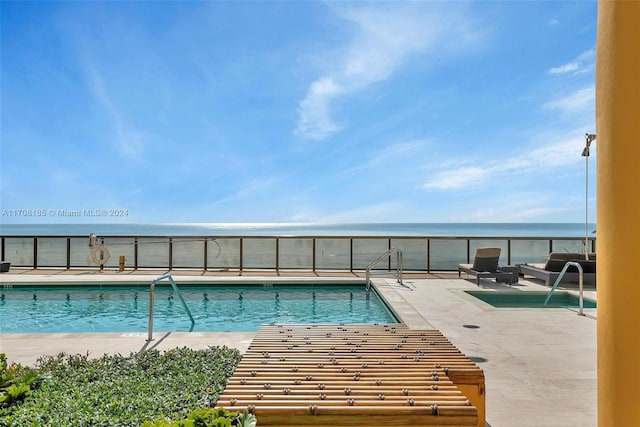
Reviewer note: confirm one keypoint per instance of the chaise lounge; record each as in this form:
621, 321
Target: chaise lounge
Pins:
485, 266
551, 268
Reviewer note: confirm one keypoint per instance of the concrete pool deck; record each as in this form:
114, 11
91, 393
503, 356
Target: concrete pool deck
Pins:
539, 364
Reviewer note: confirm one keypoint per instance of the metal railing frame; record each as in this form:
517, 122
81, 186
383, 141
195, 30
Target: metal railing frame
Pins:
170, 241
152, 288
580, 285
387, 254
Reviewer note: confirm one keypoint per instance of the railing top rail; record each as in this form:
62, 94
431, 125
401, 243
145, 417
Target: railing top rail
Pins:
380, 237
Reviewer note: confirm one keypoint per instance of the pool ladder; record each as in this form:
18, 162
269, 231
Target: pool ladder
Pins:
387, 254
580, 285
151, 295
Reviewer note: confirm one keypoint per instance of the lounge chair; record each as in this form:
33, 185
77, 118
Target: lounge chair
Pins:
551, 268
485, 265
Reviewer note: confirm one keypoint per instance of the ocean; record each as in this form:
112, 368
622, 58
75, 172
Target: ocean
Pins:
304, 229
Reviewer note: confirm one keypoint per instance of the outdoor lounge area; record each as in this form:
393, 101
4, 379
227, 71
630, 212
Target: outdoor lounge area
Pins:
485, 266
538, 364
551, 268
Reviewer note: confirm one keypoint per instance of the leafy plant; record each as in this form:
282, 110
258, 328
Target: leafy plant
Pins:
124, 391
16, 382
208, 417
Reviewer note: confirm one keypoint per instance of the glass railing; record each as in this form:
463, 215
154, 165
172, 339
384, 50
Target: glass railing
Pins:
310, 253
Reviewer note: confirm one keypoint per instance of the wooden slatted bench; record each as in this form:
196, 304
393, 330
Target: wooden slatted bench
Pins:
350, 375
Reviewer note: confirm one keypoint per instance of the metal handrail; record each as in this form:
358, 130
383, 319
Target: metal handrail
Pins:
151, 295
385, 255
580, 285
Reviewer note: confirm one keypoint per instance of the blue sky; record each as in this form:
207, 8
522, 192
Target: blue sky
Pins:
285, 111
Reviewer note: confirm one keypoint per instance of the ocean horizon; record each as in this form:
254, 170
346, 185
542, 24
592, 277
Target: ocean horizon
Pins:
304, 229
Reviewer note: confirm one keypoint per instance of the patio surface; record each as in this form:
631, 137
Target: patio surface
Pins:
539, 364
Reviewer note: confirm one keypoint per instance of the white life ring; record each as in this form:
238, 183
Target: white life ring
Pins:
99, 254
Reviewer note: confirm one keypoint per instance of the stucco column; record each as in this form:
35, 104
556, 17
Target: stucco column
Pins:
618, 210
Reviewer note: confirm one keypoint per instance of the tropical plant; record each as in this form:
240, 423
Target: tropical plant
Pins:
16, 382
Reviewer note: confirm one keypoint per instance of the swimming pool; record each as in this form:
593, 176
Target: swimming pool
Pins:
222, 308
531, 299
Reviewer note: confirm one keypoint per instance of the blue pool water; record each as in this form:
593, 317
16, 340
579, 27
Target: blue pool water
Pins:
531, 299
214, 307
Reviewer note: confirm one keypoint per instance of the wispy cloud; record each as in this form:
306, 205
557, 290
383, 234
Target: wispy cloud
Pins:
583, 63
386, 36
392, 153
458, 178
580, 100
128, 141
375, 212
559, 153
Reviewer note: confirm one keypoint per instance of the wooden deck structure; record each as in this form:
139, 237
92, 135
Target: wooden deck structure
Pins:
350, 375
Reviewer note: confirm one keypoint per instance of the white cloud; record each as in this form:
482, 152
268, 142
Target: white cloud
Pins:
457, 178
376, 212
386, 35
314, 118
393, 153
561, 151
128, 141
581, 64
579, 100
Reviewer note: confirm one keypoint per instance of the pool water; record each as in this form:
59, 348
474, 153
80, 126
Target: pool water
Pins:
214, 307
531, 299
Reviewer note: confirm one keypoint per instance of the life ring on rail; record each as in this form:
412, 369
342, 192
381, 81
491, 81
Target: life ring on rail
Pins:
99, 254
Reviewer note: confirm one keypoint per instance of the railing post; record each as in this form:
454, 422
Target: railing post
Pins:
170, 253
428, 255
68, 253
135, 253
277, 254
313, 260
241, 254
35, 253
351, 254
206, 255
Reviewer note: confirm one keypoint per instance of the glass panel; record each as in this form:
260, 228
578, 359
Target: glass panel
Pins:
52, 252
153, 252
576, 246
19, 251
296, 253
223, 254
529, 251
333, 254
414, 253
188, 253
259, 253
123, 246
502, 244
80, 253
447, 254
366, 250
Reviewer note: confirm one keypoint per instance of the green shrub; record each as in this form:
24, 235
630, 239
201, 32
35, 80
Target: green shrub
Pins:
208, 417
16, 382
115, 390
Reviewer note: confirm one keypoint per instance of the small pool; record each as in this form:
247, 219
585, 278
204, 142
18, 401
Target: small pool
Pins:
531, 299
222, 308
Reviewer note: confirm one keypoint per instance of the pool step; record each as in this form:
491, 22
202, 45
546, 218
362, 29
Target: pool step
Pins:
349, 375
